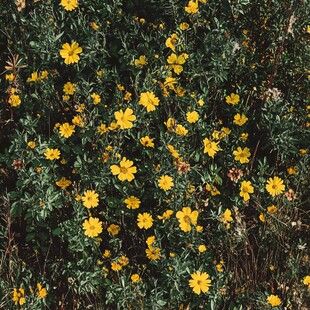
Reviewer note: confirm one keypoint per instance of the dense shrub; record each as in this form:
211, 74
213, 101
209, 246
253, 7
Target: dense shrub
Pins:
154, 154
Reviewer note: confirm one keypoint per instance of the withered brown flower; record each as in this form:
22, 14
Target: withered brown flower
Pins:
235, 174
290, 195
183, 167
18, 164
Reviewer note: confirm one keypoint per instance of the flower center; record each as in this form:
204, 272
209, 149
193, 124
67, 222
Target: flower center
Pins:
123, 170
274, 186
198, 282
70, 53
186, 219
91, 227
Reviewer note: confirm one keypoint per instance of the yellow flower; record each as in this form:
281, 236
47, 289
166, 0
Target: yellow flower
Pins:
69, 88
192, 7
149, 101
90, 199
52, 154
173, 152
14, 100
125, 119
212, 189
244, 136
202, 248
78, 121
176, 62
192, 117
226, 216
142, 61
262, 217
113, 126
150, 240
184, 26
18, 296
232, 99
96, 98
210, 147
166, 215
292, 170
9, 77
200, 282
186, 217
152, 253
33, 78
165, 182
145, 220
106, 254
63, 183
216, 134
306, 281
69, 5
272, 209
115, 266
181, 130
120, 87
171, 123
135, 278
94, 25
246, 188
125, 171
242, 154
114, 229
102, 129
70, 52
127, 96
44, 75
80, 108
275, 186
274, 300
219, 267
146, 141
240, 119
172, 41
92, 227
180, 91
200, 102
31, 144
123, 260
66, 130
41, 291
170, 82
132, 202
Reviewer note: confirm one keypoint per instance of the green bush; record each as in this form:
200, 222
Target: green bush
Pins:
154, 154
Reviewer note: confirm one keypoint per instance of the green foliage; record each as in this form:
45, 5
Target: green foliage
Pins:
231, 59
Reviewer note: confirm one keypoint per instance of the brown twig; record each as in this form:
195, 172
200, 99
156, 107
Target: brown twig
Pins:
278, 55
